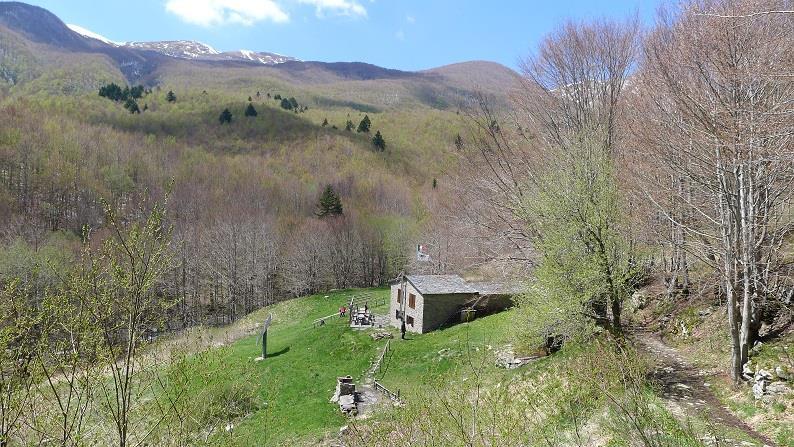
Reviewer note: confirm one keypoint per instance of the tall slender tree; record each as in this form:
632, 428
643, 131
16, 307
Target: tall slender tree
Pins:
720, 104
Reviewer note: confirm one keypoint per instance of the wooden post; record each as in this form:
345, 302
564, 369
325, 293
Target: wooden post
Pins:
264, 344
265, 327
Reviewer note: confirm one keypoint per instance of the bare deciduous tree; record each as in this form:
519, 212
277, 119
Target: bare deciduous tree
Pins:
717, 82
567, 125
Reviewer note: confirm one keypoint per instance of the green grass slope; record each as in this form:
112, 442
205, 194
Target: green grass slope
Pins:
447, 378
292, 387
284, 400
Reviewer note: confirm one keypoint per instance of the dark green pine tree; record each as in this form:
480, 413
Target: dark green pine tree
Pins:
226, 117
379, 142
170, 97
364, 125
137, 92
435, 183
349, 126
330, 204
286, 104
132, 106
325, 122
250, 99
111, 91
250, 111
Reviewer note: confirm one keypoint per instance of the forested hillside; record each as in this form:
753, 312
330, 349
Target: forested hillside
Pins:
629, 195
242, 195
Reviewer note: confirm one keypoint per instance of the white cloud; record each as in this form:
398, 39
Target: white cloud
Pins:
223, 12
400, 35
349, 8
410, 19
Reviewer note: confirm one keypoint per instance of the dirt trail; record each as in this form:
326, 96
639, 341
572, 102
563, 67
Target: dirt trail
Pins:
685, 387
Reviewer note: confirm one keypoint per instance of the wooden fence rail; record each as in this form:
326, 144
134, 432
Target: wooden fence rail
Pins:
390, 394
378, 363
377, 367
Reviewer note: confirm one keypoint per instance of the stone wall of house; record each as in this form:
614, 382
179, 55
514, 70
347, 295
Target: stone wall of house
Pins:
417, 313
443, 309
434, 311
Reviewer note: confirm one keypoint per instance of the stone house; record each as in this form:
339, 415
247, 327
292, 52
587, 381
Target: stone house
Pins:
428, 302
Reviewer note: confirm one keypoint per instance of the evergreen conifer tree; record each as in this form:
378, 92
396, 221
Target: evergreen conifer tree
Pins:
137, 92
250, 111
132, 106
170, 97
349, 126
364, 125
112, 91
379, 142
226, 117
329, 204
325, 122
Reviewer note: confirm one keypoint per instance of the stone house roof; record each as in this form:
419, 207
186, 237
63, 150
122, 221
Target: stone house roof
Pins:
495, 288
440, 284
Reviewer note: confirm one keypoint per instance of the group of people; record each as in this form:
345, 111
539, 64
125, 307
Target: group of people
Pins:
343, 312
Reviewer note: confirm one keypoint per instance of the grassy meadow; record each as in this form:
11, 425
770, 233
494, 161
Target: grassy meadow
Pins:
284, 400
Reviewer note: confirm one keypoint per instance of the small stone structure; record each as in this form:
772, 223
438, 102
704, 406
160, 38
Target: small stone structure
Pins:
767, 383
346, 395
506, 358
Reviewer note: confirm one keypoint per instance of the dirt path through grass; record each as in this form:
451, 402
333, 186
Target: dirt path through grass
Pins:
686, 388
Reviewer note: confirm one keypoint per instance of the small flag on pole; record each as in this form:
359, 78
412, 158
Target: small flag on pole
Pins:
421, 253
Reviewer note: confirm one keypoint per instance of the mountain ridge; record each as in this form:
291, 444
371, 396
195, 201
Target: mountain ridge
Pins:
138, 61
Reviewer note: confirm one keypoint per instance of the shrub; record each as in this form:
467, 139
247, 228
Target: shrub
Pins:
225, 117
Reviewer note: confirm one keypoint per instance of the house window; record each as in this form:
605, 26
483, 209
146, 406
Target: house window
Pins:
411, 301
409, 321
399, 295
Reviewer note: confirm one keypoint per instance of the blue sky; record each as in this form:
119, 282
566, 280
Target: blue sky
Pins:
403, 34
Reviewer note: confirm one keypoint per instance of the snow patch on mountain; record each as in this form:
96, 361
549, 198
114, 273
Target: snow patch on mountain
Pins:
189, 49
256, 56
183, 49
92, 35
